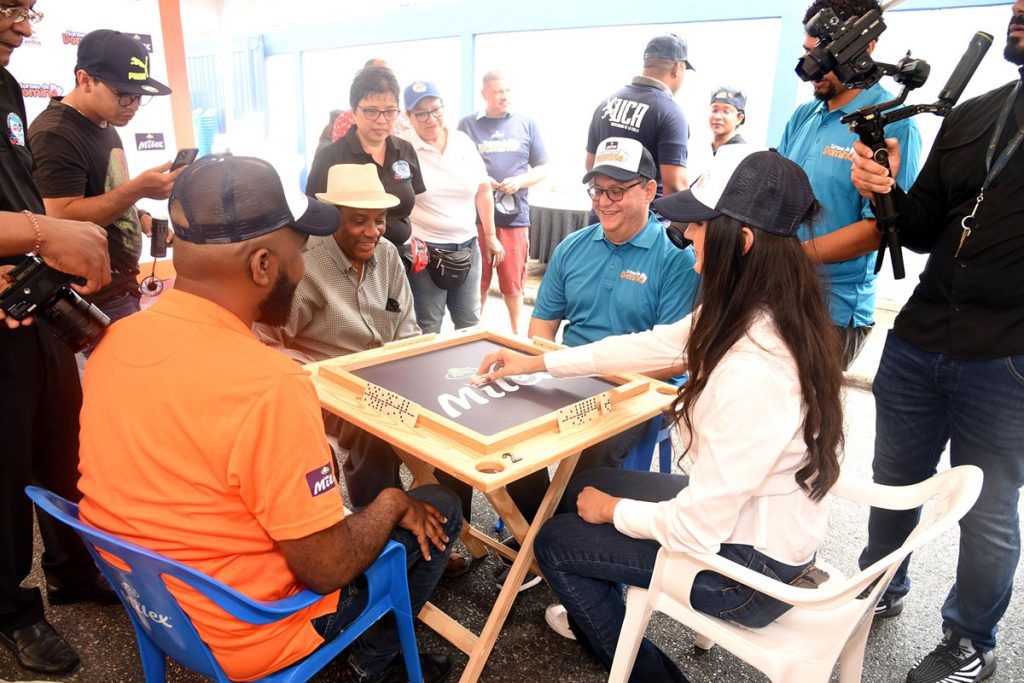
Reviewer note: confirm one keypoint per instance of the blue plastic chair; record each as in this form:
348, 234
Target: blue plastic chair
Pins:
162, 628
641, 454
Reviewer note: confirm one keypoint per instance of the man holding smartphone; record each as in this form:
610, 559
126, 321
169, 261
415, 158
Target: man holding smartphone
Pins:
80, 167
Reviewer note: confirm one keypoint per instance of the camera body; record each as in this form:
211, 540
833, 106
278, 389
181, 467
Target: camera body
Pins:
842, 48
40, 290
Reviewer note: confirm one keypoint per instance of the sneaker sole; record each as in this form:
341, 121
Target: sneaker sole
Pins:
531, 581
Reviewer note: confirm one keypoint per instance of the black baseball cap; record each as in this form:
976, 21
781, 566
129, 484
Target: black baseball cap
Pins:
222, 199
733, 96
762, 189
669, 46
622, 159
120, 61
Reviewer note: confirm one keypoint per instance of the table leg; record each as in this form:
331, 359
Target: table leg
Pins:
515, 521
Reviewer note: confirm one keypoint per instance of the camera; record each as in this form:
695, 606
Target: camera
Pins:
40, 290
842, 48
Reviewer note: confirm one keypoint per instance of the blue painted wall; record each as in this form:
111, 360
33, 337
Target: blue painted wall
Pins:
469, 18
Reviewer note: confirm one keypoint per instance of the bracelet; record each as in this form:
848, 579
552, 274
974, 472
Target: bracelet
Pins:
39, 232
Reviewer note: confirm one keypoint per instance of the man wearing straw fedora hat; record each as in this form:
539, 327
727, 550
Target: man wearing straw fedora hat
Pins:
354, 296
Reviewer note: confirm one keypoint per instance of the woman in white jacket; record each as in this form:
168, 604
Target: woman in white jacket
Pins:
761, 418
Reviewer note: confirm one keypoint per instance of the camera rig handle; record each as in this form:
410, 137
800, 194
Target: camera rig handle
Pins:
869, 124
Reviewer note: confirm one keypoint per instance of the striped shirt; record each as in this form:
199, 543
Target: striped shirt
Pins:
334, 314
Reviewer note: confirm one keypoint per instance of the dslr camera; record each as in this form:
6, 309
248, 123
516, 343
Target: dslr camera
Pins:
842, 48
40, 290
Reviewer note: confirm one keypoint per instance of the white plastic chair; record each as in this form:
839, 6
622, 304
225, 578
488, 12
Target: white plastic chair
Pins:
826, 623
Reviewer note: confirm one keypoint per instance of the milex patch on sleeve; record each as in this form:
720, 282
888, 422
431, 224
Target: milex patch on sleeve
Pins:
320, 480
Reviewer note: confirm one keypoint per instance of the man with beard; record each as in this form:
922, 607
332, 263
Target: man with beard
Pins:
952, 371
81, 168
227, 467
823, 146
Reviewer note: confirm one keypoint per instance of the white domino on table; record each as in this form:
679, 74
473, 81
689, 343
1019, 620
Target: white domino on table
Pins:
391, 404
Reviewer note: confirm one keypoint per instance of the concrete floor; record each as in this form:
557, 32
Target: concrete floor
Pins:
528, 651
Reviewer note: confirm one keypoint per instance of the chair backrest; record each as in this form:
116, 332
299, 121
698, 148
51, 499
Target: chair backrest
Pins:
952, 493
142, 589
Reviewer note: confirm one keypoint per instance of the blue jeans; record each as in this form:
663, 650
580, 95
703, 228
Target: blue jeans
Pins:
463, 303
587, 564
924, 401
371, 653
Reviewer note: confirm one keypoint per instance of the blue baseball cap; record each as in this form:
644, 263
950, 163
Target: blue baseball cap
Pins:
668, 46
417, 91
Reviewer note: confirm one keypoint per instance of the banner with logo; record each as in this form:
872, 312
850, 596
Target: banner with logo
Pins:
45, 64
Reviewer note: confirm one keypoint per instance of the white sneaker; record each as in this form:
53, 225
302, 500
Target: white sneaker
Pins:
558, 619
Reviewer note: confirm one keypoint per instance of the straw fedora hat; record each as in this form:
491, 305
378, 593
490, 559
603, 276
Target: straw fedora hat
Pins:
356, 186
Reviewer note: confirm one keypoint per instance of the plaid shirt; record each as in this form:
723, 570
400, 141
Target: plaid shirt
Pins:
334, 314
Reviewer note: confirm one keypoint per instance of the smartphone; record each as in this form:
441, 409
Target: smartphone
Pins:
184, 158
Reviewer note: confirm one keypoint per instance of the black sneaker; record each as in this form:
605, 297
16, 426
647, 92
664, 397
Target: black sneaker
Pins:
888, 607
512, 544
955, 660
435, 668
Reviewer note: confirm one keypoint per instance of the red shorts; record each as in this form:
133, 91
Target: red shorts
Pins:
512, 270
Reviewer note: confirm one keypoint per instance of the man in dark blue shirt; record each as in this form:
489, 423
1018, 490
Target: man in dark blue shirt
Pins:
644, 111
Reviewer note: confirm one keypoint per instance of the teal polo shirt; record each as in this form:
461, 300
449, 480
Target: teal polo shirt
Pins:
815, 139
605, 289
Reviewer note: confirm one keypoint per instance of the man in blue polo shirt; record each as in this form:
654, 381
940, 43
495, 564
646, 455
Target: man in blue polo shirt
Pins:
622, 274
823, 146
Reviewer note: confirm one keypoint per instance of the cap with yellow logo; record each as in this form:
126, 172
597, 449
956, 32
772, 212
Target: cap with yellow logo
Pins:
120, 61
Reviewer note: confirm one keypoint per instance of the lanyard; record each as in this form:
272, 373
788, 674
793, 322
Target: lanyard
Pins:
993, 170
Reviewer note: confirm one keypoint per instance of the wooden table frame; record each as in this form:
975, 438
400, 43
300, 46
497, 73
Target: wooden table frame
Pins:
474, 459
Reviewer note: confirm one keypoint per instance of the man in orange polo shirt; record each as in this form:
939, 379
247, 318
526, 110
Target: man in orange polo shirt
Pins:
226, 467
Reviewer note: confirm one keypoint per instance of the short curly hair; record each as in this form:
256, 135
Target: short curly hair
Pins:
844, 9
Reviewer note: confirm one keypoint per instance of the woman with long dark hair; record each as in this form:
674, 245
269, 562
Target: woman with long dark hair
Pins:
761, 418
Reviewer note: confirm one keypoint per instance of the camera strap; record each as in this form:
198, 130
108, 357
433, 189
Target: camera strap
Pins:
968, 223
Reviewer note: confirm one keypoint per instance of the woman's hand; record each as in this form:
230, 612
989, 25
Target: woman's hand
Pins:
596, 507
507, 362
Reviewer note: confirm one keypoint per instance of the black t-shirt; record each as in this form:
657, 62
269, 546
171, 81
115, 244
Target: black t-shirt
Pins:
400, 175
17, 189
77, 158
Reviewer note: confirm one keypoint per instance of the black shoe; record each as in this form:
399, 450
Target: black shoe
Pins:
512, 544
458, 565
98, 591
955, 659
435, 668
40, 648
888, 607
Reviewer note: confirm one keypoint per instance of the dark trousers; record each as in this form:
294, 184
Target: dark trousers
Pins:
374, 650
528, 493
40, 398
372, 464
853, 340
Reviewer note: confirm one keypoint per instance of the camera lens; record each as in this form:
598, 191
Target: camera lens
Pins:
78, 323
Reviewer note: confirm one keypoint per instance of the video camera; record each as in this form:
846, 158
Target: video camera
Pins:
842, 49
40, 290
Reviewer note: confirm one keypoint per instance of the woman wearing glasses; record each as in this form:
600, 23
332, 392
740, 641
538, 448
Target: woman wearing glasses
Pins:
374, 101
445, 215
761, 417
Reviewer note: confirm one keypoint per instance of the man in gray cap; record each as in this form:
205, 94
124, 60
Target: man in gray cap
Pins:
728, 112
644, 110
81, 168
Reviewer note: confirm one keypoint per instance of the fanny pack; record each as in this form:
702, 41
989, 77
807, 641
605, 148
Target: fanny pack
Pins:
449, 268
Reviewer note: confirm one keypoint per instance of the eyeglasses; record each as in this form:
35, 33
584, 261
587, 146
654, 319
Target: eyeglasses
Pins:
614, 194
676, 236
127, 99
20, 14
424, 114
374, 114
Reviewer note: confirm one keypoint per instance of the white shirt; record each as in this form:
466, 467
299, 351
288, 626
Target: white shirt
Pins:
747, 445
446, 212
